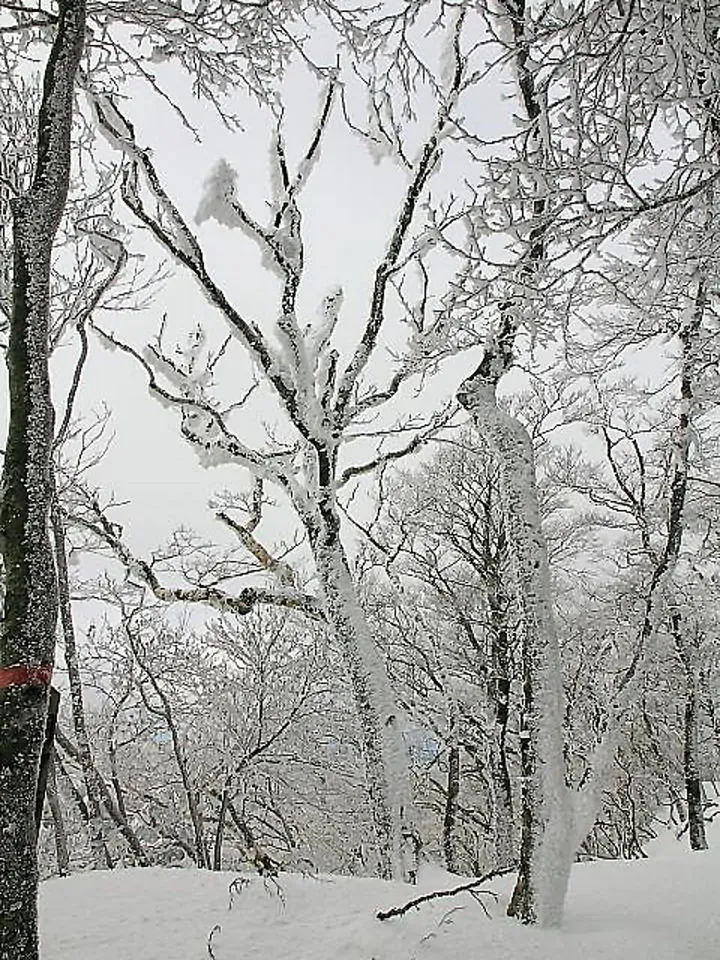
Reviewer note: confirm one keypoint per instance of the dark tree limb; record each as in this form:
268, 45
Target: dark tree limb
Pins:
27, 636
471, 887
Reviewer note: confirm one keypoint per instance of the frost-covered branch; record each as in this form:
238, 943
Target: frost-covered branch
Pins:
267, 561
421, 173
241, 603
383, 459
471, 887
175, 236
216, 438
119, 254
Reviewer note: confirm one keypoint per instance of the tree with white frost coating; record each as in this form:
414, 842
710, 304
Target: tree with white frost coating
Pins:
448, 619
322, 400
570, 187
27, 635
221, 43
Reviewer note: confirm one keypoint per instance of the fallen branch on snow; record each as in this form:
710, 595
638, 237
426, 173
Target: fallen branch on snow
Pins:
470, 887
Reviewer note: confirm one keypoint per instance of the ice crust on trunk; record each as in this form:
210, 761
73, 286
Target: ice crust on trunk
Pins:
380, 718
549, 836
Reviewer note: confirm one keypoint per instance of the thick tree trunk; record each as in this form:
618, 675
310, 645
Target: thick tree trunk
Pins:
385, 752
27, 638
547, 841
503, 814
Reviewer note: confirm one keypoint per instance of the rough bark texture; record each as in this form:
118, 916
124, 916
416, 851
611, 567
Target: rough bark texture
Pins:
61, 845
27, 637
691, 739
451, 803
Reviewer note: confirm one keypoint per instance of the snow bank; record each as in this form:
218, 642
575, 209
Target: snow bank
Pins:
656, 909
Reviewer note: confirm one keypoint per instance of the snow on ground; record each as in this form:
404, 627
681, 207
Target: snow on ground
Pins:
662, 908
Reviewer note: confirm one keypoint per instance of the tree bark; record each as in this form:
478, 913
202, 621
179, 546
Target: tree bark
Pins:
27, 638
691, 740
61, 845
451, 801
46, 756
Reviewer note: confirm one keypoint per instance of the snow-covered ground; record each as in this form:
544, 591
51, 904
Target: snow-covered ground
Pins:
662, 908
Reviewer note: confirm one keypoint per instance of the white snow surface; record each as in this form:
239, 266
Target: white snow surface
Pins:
662, 908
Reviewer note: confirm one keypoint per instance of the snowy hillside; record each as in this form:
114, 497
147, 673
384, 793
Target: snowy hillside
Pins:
663, 908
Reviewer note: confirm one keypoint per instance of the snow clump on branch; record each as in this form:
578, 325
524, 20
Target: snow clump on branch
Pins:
218, 195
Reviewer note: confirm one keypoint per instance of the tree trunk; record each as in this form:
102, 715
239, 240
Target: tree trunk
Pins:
27, 638
46, 755
100, 854
385, 753
451, 801
220, 828
192, 795
503, 814
691, 740
118, 816
61, 846
547, 839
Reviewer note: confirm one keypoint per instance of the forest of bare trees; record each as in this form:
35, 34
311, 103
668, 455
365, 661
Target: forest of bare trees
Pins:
455, 596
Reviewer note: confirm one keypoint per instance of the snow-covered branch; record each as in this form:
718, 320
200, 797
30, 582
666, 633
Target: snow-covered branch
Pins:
423, 168
241, 602
173, 233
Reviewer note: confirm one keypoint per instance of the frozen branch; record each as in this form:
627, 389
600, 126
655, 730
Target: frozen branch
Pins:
423, 169
471, 887
382, 459
281, 570
241, 603
180, 242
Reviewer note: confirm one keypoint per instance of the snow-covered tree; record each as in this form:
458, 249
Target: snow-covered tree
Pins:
325, 393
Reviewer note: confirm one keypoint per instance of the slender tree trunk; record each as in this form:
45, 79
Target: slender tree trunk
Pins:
116, 815
61, 844
220, 828
46, 755
27, 637
192, 796
100, 854
263, 862
385, 753
691, 740
452, 796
